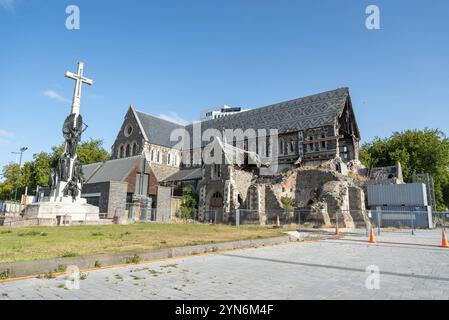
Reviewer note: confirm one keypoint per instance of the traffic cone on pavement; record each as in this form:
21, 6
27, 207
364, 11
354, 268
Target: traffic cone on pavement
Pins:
337, 231
371, 237
444, 243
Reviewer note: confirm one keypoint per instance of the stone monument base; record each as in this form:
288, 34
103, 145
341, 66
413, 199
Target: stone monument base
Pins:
66, 210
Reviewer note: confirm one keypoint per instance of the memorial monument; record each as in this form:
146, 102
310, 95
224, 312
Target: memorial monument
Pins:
66, 181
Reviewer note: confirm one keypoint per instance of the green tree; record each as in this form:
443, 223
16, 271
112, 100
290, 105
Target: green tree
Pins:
189, 205
288, 204
41, 167
10, 175
90, 151
35, 173
418, 151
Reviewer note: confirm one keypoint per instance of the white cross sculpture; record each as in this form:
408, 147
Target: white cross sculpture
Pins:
79, 80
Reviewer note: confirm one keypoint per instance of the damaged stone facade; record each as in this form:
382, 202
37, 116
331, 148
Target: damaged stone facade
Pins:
319, 193
309, 132
306, 165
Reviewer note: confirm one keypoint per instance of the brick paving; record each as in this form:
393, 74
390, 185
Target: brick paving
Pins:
327, 269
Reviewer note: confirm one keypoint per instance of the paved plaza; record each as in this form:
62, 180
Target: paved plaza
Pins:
326, 269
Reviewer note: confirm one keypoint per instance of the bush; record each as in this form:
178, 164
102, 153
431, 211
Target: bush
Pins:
5, 274
189, 203
289, 204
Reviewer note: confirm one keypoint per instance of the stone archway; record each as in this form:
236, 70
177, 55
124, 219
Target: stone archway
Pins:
215, 206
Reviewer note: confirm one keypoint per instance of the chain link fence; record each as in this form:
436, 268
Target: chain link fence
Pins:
441, 219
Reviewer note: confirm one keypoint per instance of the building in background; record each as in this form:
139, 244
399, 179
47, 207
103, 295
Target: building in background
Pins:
117, 185
219, 112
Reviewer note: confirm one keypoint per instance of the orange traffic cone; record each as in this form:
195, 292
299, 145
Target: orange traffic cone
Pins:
371, 237
444, 243
337, 231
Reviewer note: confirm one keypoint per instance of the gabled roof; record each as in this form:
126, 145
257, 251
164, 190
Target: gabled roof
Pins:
313, 111
112, 170
299, 114
186, 175
157, 130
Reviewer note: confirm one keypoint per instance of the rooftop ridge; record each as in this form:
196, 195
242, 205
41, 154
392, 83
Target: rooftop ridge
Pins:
321, 96
159, 118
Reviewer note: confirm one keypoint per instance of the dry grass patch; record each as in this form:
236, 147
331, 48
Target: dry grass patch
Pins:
33, 243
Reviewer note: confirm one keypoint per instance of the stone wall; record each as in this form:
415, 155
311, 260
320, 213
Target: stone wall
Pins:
163, 204
124, 139
112, 195
117, 197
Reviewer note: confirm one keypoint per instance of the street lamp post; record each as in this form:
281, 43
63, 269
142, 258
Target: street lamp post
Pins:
22, 150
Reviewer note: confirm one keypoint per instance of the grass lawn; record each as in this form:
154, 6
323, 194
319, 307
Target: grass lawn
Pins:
33, 243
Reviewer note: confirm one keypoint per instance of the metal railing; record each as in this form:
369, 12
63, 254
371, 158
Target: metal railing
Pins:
10, 207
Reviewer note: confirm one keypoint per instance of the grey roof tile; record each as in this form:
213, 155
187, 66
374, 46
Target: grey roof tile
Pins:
112, 170
158, 130
186, 175
299, 114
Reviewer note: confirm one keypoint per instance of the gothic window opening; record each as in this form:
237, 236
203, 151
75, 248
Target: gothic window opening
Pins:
135, 149
345, 152
268, 146
128, 150
216, 172
323, 143
292, 146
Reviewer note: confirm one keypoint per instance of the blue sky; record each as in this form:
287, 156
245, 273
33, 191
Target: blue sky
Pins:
175, 58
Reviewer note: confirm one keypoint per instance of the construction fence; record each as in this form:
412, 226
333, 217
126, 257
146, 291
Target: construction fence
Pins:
398, 219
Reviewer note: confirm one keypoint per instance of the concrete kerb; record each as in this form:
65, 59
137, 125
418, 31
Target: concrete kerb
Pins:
35, 268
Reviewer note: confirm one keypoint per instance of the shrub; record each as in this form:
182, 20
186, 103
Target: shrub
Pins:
189, 203
133, 259
69, 254
288, 204
5, 274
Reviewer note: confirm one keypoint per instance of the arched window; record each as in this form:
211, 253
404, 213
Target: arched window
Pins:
122, 152
292, 146
158, 156
152, 155
268, 147
128, 150
168, 158
135, 149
